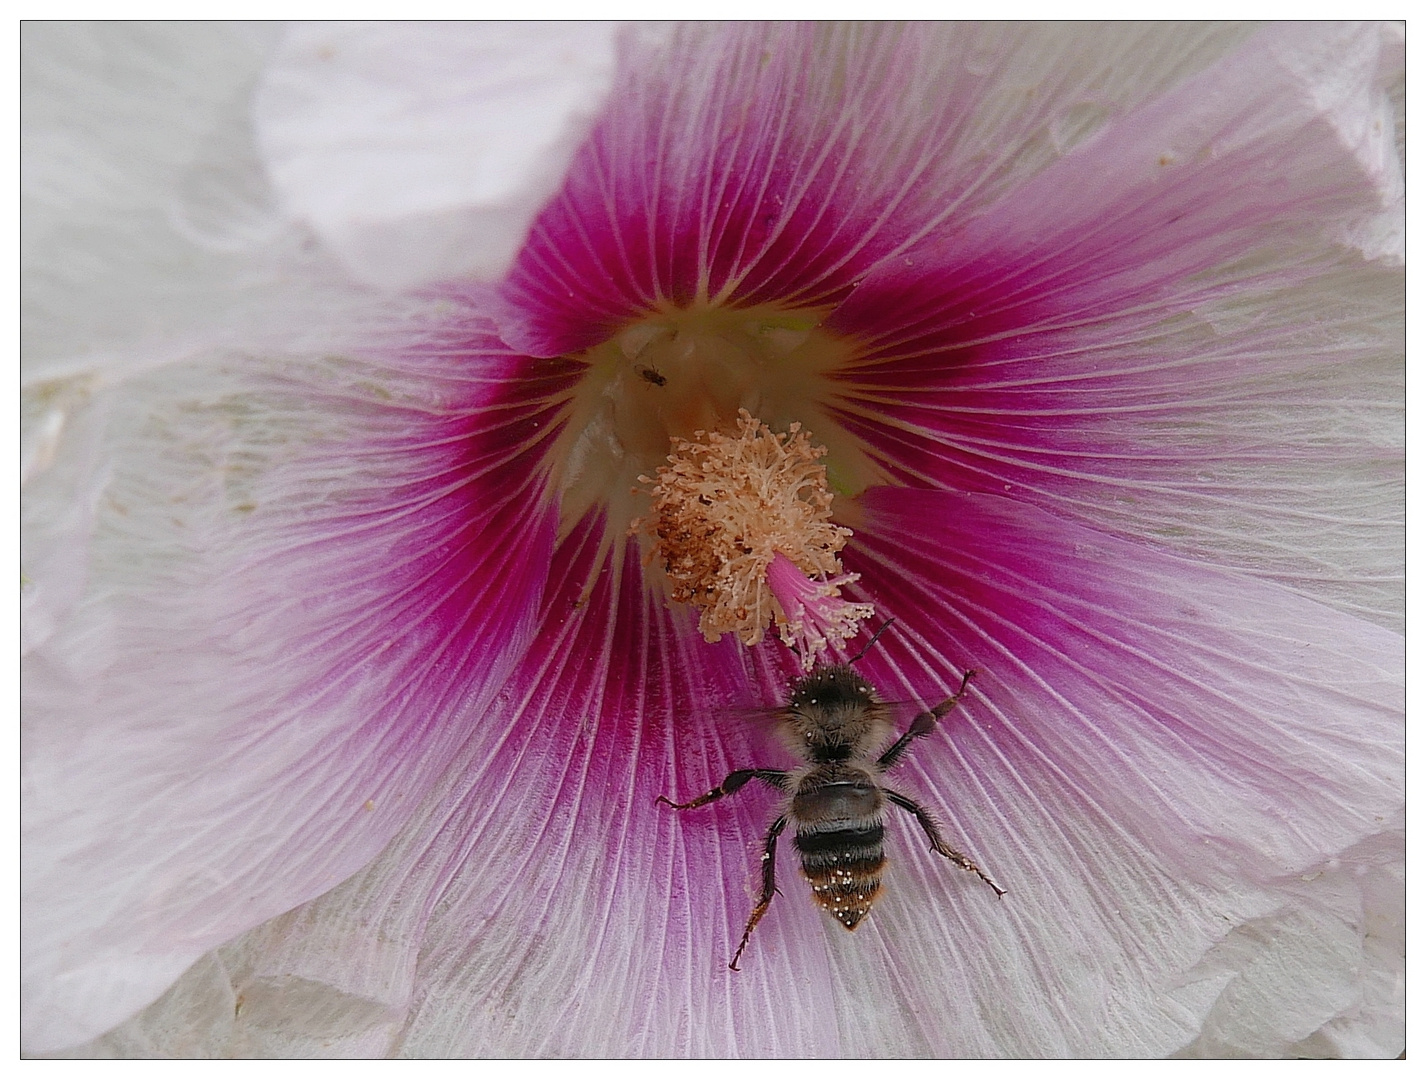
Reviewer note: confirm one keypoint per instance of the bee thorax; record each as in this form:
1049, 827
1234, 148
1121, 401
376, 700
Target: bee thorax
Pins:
833, 715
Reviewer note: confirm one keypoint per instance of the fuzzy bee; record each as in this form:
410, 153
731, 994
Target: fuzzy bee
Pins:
835, 801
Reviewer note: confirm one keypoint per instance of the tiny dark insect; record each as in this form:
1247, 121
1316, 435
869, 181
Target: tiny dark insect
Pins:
836, 800
652, 375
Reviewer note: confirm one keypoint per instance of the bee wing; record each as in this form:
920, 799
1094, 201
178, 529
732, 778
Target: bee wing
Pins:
769, 722
901, 711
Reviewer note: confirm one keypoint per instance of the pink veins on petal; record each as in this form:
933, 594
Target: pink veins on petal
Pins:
1072, 370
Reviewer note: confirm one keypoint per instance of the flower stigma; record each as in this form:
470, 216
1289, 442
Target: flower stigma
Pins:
691, 430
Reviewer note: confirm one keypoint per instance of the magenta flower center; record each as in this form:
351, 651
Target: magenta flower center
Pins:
708, 431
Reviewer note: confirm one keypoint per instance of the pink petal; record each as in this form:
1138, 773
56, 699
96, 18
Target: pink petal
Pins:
538, 902
1160, 333
581, 898
308, 581
1195, 816
781, 163
541, 903
1146, 735
1140, 662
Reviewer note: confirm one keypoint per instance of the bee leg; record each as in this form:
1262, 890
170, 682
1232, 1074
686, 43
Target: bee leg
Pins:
769, 887
730, 784
938, 844
923, 724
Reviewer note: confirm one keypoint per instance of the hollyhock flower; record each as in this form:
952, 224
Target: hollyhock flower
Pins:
349, 691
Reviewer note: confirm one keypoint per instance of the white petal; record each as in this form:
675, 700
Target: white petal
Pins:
1347, 69
1325, 973
146, 214
1141, 338
1158, 903
271, 633
542, 904
1205, 873
423, 150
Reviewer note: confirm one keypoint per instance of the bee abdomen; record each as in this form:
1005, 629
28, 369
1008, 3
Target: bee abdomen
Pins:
843, 867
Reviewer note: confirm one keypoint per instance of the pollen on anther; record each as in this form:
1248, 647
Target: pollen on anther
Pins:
743, 527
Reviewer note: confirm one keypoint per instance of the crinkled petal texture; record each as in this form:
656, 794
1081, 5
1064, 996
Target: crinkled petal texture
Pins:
264, 598
779, 164
1158, 336
1121, 387
309, 582
1188, 782
416, 171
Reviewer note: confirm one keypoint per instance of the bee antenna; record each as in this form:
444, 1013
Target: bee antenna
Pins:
879, 630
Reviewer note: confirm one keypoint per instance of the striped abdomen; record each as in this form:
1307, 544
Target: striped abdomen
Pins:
838, 838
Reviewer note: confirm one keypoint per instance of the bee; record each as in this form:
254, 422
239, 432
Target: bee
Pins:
652, 375
835, 801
